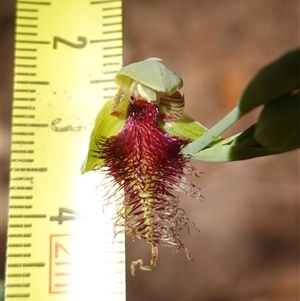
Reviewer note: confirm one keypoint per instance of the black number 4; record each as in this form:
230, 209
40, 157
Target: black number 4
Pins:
71, 215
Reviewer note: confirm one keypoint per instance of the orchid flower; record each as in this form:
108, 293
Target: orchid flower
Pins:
137, 143
143, 141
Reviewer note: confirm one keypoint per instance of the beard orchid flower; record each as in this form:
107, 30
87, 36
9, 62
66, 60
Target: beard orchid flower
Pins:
137, 142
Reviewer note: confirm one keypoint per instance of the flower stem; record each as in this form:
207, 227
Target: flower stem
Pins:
199, 144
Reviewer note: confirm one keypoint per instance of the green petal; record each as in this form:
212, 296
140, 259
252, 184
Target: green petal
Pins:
121, 97
106, 125
170, 106
152, 74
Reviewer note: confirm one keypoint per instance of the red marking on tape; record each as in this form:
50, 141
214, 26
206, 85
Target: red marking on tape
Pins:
60, 270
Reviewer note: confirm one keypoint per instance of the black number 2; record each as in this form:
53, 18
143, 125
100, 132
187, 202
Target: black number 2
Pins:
82, 41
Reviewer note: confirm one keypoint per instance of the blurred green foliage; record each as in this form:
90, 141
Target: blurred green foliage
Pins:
276, 87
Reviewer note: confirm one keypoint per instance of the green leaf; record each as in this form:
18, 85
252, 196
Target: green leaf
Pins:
226, 153
106, 125
278, 126
239, 152
273, 82
277, 131
217, 152
245, 146
239, 147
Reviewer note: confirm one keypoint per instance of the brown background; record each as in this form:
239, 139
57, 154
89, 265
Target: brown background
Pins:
248, 247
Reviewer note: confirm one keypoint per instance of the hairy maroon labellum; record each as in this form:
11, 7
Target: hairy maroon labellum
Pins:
147, 164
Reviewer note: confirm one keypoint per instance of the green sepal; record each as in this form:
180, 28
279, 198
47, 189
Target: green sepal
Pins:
106, 125
185, 127
152, 74
151, 80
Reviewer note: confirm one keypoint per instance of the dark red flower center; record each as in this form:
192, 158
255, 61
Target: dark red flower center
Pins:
147, 164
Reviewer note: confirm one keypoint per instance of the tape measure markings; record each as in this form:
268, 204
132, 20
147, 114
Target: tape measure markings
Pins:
18, 254
24, 90
26, 18
112, 16
23, 107
112, 8
26, 34
26, 25
103, 2
26, 58
26, 49
34, 3
17, 295
23, 161
19, 285
112, 24
22, 188
21, 178
26, 265
23, 116
12, 275
27, 215
20, 197
23, 225
111, 31
106, 40
21, 206
23, 82
27, 10
32, 42
111, 47
23, 66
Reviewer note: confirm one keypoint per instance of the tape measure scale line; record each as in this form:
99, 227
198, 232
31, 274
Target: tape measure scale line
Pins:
43, 214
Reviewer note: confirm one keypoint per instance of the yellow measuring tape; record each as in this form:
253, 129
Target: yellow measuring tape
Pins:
61, 245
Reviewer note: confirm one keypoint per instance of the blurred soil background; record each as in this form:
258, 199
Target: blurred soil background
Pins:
248, 245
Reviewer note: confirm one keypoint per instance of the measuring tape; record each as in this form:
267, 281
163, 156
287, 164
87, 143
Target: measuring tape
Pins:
61, 244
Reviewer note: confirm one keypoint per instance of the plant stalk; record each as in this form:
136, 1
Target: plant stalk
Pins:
225, 123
